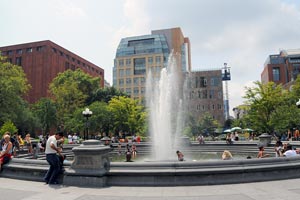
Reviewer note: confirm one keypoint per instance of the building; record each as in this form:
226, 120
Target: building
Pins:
138, 55
205, 94
42, 61
282, 68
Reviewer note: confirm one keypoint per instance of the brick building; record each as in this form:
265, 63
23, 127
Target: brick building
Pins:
282, 68
42, 61
205, 94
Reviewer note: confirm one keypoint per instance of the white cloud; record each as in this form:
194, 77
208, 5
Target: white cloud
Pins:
68, 8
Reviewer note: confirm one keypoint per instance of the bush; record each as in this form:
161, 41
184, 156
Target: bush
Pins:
8, 126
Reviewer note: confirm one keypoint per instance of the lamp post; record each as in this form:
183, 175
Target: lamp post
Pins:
86, 113
298, 104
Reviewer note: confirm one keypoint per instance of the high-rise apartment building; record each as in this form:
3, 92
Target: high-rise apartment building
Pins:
282, 68
136, 56
42, 61
205, 94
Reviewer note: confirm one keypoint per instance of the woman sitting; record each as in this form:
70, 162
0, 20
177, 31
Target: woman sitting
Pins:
180, 156
6, 152
227, 155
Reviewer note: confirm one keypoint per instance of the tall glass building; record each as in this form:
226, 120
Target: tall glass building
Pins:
138, 55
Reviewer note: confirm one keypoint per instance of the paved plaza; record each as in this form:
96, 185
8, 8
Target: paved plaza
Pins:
12, 189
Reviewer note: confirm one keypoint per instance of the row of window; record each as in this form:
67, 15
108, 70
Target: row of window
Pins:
202, 107
135, 81
21, 51
78, 62
205, 94
135, 91
127, 62
200, 82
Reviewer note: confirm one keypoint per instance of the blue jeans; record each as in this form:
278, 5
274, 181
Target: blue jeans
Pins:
54, 169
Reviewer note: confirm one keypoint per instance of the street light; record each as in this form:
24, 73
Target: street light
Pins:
298, 104
86, 113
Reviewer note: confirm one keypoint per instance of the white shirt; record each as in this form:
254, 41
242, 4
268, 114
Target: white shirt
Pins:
70, 138
51, 140
290, 153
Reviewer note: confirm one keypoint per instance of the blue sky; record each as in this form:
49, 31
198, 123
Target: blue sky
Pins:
240, 33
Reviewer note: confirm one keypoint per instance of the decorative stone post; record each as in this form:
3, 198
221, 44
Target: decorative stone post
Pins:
264, 139
90, 165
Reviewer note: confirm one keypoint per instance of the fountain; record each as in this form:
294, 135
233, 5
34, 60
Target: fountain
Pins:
165, 104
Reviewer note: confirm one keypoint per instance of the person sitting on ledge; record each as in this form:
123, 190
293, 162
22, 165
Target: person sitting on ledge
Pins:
261, 153
6, 152
227, 155
290, 152
180, 156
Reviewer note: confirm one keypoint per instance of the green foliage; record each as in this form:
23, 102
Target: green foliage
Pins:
263, 100
205, 125
99, 122
105, 94
71, 90
45, 112
127, 115
8, 126
14, 85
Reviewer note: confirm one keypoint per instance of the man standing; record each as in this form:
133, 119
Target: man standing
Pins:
52, 158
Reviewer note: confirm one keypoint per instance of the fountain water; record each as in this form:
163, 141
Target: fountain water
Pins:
164, 101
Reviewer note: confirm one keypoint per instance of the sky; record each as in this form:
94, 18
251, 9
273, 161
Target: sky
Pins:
239, 33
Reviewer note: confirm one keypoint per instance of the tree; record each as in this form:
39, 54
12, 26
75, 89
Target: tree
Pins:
105, 94
207, 124
45, 112
263, 100
8, 126
71, 90
127, 115
14, 85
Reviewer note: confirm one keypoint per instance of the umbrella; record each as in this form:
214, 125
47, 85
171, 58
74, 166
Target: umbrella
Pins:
236, 129
248, 130
227, 131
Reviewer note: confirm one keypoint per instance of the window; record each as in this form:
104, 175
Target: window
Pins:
203, 82
121, 82
136, 90
28, 50
9, 52
121, 63
39, 48
204, 94
276, 74
19, 61
121, 72
157, 59
61, 53
73, 67
128, 72
128, 91
67, 65
19, 51
150, 60
9, 60
136, 81
73, 59
139, 66
142, 90
67, 56
128, 81
211, 94
128, 62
